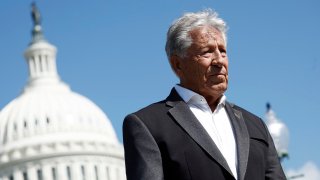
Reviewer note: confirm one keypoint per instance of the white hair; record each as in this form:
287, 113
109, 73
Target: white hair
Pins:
178, 37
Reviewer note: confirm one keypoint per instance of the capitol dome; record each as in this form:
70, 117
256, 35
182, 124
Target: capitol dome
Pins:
279, 133
50, 132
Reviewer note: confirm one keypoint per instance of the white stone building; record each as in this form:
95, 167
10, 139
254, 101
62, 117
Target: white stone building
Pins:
52, 133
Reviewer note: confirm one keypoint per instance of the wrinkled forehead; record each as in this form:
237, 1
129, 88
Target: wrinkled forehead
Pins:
205, 34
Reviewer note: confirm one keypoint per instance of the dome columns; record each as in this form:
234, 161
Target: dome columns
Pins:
41, 59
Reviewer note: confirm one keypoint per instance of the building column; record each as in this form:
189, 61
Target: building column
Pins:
122, 172
17, 175
43, 64
112, 172
31, 67
37, 65
61, 172
47, 172
89, 171
32, 173
76, 171
103, 173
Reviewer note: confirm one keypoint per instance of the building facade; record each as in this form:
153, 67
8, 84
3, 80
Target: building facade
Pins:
50, 132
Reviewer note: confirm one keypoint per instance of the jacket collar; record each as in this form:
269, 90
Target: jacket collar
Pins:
183, 115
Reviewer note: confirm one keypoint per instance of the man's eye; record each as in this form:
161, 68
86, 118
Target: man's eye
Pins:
206, 54
223, 52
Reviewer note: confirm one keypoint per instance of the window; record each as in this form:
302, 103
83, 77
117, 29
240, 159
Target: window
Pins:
40, 63
96, 172
15, 127
39, 174
46, 62
25, 175
54, 174
69, 173
83, 173
11, 177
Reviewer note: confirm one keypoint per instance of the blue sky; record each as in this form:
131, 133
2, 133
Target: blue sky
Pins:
113, 53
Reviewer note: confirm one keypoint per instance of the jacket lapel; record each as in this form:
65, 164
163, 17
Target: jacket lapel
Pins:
242, 138
183, 115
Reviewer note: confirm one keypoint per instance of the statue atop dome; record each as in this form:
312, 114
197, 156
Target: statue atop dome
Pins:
35, 14
36, 18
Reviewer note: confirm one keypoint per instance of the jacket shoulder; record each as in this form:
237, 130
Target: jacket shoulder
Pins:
152, 114
152, 109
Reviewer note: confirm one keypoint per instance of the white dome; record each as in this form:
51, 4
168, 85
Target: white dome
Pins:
51, 115
49, 132
279, 133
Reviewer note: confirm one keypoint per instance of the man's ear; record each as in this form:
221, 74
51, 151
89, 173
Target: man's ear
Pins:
175, 62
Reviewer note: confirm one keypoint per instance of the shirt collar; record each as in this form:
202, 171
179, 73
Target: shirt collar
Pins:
191, 97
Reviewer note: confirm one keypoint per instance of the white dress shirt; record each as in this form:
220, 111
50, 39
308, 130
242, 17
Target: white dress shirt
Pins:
216, 123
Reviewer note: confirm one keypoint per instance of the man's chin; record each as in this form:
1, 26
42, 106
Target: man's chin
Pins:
214, 91
222, 87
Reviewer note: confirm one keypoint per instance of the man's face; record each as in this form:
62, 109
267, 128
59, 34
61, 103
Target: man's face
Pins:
204, 69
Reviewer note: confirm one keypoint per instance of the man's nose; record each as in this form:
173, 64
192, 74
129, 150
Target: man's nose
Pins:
216, 58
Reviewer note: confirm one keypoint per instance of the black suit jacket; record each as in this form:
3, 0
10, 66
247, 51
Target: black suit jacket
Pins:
166, 141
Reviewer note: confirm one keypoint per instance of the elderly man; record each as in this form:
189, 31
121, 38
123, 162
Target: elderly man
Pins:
195, 134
